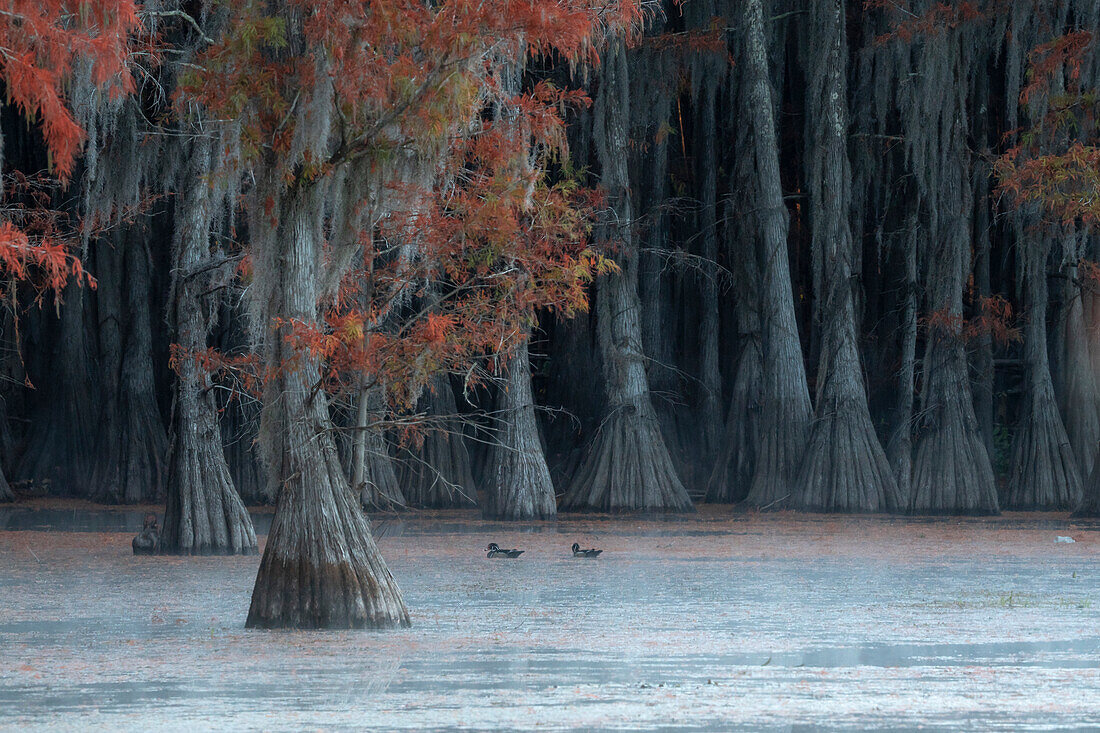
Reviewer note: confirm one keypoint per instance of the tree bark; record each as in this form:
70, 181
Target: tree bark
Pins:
627, 466
1080, 398
708, 418
372, 468
517, 481
899, 449
951, 472
320, 567
1044, 471
204, 515
735, 466
438, 474
785, 407
61, 440
131, 466
845, 468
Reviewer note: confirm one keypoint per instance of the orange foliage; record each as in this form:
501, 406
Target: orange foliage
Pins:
40, 40
993, 318
495, 238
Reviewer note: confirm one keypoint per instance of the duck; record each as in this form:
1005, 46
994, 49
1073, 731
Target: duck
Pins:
149, 538
495, 551
578, 552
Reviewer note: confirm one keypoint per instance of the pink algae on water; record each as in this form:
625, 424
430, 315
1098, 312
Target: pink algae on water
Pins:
711, 621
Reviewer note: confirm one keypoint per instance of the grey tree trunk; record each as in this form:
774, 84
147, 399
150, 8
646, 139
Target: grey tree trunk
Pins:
204, 515
708, 418
735, 465
899, 449
627, 466
1044, 471
845, 468
320, 567
131, 459
372, 468
951, 472
438, 474
61, 440
1080, 395
785, 406
516, 480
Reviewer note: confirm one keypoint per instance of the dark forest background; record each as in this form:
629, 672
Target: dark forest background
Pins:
829, 297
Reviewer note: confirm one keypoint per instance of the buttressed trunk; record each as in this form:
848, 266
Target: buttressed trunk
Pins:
1044, 471
785, 406
320, 567
1082, 419
204, 515
516, 481
131, 459
951, 472
628, 466
845, 468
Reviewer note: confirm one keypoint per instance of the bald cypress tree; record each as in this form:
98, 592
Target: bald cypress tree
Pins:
627, 465
845, 468
785, 411
952, 473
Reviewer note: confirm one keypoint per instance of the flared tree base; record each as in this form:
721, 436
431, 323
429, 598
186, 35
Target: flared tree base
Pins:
952, 474
1044, 472
783, 427
321, 568
204, 515
1090, 500
731, 478
627, 468
845, 469
518, 487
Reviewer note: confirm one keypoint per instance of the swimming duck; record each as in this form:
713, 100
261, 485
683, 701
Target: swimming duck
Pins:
578, 552
495, 551
147, 540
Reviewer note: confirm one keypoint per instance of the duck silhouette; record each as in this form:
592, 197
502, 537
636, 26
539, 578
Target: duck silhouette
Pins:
147, 540
578, 552
495, 551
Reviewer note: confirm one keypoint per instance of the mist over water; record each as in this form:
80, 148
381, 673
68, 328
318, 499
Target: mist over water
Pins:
705, 622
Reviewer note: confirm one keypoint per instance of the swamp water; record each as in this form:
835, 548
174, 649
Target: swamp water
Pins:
747, 622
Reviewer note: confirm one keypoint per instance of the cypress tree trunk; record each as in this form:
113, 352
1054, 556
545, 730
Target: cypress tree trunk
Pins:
951, 473
900, 448
733, 470
131, 465
708, 419
372, 469
845, 468
627, 466
1080, 399
239, 415
1044, 472
517, 482
785, 407
204, 515
61, 439
320, 567
438, 473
